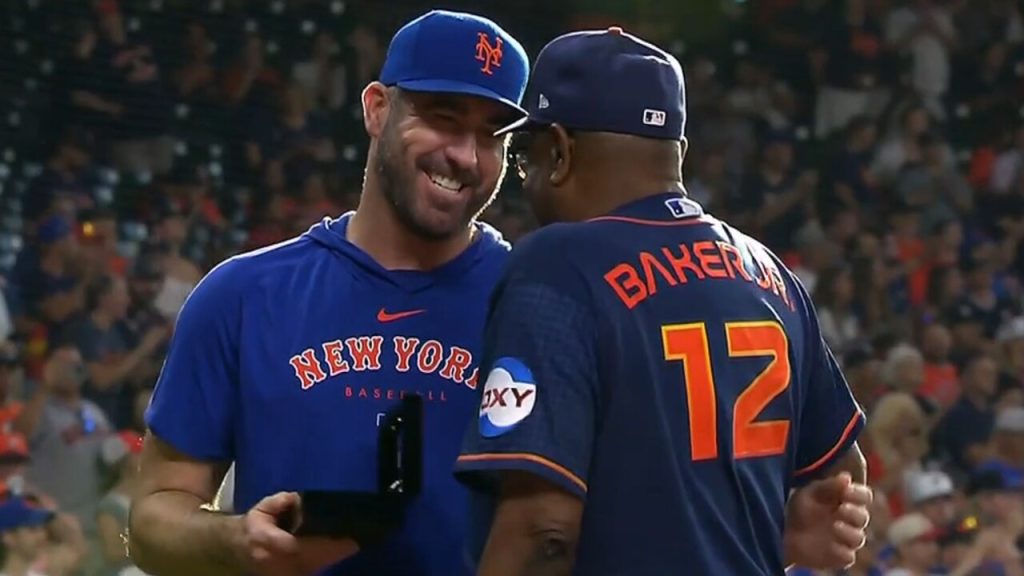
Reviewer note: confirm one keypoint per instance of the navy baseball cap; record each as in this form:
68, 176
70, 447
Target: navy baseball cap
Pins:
606, 81
458, 53
17, 513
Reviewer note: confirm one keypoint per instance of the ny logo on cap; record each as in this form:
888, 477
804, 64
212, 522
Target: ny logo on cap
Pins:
654, 117
488, 54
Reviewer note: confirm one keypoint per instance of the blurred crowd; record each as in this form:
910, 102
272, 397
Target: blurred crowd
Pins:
876, 145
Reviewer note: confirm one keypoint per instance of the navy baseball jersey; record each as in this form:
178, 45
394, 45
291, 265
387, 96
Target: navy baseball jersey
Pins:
284, 360
669, 371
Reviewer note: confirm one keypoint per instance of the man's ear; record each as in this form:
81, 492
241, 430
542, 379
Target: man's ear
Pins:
562, 150
376, 105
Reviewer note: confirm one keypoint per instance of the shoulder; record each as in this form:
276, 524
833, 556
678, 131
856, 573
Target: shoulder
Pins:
235, 276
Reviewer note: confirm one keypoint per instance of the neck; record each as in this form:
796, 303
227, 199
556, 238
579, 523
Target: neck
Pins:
619, 192
376, 229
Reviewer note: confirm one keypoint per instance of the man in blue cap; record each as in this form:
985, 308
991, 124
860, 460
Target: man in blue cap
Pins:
25, 544
284, 360
658, 397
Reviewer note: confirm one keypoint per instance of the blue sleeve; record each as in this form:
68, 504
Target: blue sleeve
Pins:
537, 411
194, 403
830, 417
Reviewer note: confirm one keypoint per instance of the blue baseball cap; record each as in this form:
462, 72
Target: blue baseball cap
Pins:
17, 513
606, 81
458, 53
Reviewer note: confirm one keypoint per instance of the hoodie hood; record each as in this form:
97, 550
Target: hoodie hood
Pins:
489, 249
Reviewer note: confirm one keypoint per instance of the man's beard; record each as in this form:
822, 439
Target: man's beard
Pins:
398, 185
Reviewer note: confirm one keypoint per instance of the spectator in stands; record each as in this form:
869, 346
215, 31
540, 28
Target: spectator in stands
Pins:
833, 295
26, 547
1008, 169
322, 77
46, 277
930, 493
941, 385
195, 80
933, 186
12, 410
80, 96
962, 434
862, 369
1006, 450
902, 145
903, 370
121, 455
139, 136
853, 69
63, 188
66, 439
181, 274
115, 367
923, 30
777, 197
897, 442
1011, 341
854, 186
917, 551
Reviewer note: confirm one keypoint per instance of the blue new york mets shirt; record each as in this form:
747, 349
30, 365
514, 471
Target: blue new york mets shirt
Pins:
669, 371
283, 360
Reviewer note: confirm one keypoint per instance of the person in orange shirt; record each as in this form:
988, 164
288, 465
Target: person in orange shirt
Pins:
941, 384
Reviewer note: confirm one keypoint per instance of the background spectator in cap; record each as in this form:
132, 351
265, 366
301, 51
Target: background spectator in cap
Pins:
121, 455
66, 440
917, 551
930, 493
14, 457
1000, 511
903, 369
963, 432
116, 365
47, 279
895, 445
37, 541
940, 385
145, 280
1007, 446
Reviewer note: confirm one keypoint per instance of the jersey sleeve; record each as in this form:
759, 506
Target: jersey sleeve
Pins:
537, 410
193, 406
830, 417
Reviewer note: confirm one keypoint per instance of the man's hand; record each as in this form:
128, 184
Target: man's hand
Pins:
826, 523
271, 550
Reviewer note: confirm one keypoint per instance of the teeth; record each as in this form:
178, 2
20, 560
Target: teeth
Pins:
445, 182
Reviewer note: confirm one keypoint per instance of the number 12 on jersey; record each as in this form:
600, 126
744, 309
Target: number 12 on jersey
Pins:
688, 343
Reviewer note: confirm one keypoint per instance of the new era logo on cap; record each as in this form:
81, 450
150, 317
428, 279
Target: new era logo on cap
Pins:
654, 117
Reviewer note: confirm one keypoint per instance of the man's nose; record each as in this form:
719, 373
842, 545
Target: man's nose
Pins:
462, 152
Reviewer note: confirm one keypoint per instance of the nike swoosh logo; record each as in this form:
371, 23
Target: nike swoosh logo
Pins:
384, 316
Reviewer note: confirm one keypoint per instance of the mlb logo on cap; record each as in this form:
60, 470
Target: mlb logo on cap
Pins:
654, 117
